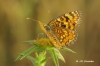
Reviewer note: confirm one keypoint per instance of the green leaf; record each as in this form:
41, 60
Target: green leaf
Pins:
59, 55
54, 57
41, 56
44, 60
26, 52
67, 49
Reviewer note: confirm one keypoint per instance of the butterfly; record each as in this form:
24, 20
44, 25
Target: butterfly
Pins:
62, 30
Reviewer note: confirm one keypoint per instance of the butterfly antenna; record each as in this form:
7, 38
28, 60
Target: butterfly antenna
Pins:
33, 19
37, 20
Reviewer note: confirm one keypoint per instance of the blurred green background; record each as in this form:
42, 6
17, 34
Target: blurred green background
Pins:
14, 28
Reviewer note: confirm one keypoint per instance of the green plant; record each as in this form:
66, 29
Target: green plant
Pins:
40, 48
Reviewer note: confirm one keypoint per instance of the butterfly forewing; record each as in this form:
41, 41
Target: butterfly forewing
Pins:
62, 29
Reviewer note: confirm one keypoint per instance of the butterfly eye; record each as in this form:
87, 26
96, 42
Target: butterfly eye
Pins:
47, 28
